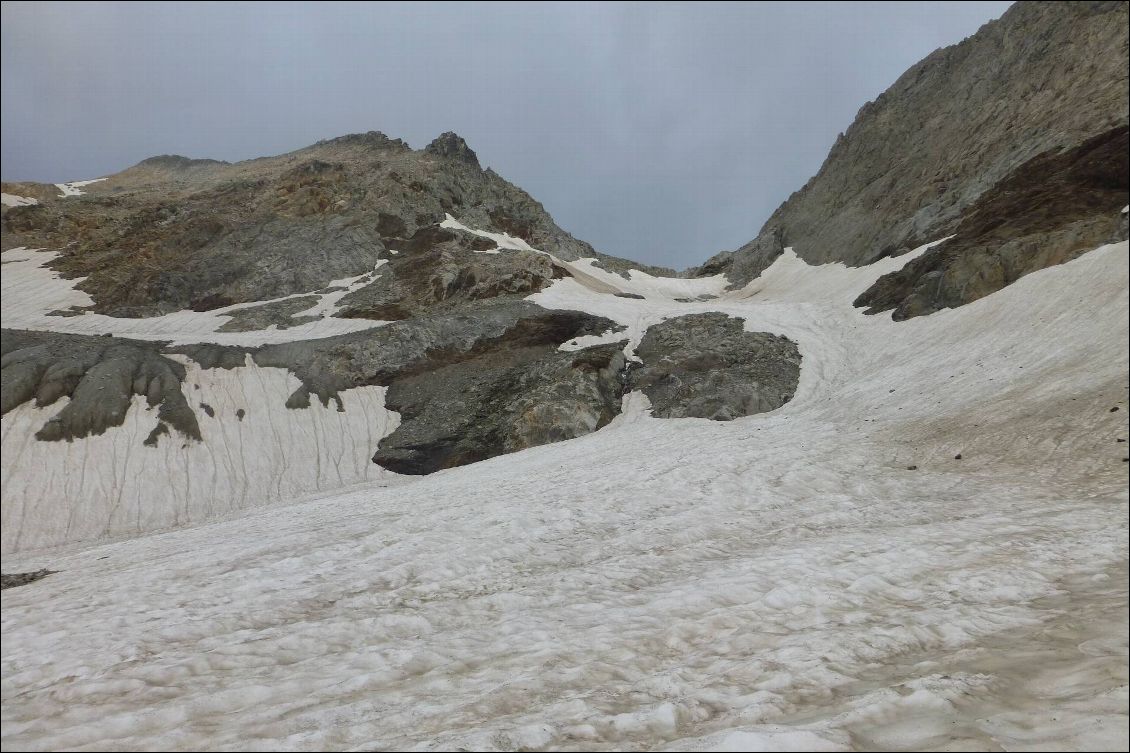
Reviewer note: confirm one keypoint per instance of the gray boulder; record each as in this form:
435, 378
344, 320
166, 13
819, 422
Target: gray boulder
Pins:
486, 406
707, 366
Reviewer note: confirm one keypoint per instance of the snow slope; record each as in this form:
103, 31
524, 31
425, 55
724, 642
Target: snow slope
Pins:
254, 451
782, 581
12, 200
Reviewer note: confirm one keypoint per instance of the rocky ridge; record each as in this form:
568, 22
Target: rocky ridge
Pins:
172, 233
1039, 82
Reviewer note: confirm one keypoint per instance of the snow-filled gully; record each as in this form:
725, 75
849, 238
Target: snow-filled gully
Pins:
780, 582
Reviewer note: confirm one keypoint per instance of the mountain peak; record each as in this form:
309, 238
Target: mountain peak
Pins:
452, 146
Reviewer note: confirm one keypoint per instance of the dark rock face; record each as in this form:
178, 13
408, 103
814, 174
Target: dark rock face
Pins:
100, 375
1049, 210
486, 406
440, 270
707, 366
401, 349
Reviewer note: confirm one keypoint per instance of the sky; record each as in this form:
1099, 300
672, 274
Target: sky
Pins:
660, 132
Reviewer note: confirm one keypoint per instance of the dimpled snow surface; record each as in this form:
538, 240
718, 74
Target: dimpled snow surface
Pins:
826, 576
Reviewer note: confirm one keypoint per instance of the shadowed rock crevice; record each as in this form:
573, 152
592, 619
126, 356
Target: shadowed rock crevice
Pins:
708, 366
1051, 209
99, 375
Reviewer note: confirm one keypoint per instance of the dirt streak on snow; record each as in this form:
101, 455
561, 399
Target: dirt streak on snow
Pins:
777, 582
255, 451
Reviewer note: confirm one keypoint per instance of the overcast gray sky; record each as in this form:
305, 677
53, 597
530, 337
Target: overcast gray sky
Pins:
659, 132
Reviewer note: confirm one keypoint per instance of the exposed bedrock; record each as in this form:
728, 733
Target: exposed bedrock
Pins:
436, 269
496, 403
471, 384
748, 262
1048, 211
100, 375
1044, 77
280, 314
400, 349
172, 234
708, 366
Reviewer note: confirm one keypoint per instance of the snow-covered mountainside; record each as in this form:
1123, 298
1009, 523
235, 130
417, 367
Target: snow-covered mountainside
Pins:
355, 448
924, 549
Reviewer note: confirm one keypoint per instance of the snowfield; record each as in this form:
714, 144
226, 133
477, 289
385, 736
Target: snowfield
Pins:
785, 581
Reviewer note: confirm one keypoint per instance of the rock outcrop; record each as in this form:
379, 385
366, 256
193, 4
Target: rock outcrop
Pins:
451, 145
99, 375
1049, 210
437, 269
708, 366
747, 263
469, 385
471, 410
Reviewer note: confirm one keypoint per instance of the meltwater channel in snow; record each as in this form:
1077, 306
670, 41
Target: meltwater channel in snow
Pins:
784, 581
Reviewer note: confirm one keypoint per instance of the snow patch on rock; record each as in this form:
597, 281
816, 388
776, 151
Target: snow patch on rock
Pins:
74, 188
12, 200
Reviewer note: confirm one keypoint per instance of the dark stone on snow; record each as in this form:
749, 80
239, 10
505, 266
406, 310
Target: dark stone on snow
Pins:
707, 366
12, 580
